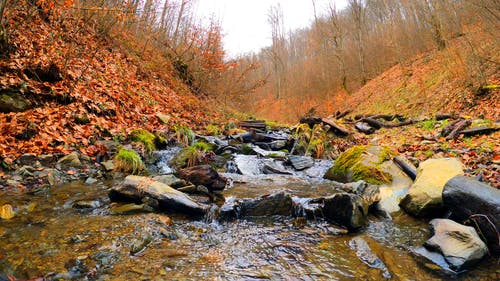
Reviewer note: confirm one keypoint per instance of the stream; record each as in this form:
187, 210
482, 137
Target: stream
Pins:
54, 233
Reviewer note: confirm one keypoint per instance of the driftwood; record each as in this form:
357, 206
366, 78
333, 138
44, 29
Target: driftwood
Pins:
440, 117
479, 131
407, 169
447, 130
388, 117
314, 120
340, 114
459, 126
253, 124
311, 120
364, 128
335, 128
377, 124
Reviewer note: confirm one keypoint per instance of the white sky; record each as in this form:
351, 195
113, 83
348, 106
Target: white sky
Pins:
245, 25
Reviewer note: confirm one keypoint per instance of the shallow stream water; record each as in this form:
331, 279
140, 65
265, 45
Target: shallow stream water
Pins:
49, 235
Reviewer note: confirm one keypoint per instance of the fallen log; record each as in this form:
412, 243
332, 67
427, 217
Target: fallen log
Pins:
377, 124
440, 117
335, 128
253, 124
479, 131
340, 115
447, 130
311, 120
458, 128
405, 167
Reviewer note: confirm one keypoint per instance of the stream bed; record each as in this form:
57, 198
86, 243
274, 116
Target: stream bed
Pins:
50, 234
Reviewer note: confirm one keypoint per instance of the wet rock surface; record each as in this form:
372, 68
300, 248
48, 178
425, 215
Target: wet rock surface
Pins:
476, 204
424, 197
459, 246
135, 189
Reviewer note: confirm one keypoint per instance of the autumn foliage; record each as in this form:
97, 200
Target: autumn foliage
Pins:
83, 85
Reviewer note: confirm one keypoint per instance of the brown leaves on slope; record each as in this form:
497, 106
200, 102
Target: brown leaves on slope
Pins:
99, 81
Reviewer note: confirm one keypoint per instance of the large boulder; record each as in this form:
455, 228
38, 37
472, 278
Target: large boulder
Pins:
361, 163
137, 189
373, 165
424, 197
476, 204
453, 247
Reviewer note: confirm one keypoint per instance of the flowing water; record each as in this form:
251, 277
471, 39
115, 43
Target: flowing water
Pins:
48, 234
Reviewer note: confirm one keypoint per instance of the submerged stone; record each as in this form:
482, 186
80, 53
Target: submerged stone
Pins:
367, 256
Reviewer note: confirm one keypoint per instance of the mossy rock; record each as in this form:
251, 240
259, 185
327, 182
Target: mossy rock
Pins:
128, 161
362, 163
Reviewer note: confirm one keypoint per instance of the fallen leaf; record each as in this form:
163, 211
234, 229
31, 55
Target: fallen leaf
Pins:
6, 212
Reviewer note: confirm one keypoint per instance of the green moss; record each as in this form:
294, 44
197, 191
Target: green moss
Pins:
428, 124
192, 155
370, 175
344, 162
128, 161
203, 146
145, 137
212, 130
350, 166
184, 135
247, 150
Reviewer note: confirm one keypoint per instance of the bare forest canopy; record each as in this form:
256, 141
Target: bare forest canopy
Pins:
322, 67
317, 69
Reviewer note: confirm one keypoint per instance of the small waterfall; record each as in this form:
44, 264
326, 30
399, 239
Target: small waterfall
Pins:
164, 157
212, 214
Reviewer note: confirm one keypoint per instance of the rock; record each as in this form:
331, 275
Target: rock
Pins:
274, 167
11, 100
130, 208
266, 153
140, 244
27, 159
171, 181
424, 197
70, 160
433, 261
300, 163
459, 244
346, 209
476, 203
90, 181
164, 118
247, 165
47, 159
203, 175
361, 163
108, 165
279, 203
367, 256
86, 204
135, 188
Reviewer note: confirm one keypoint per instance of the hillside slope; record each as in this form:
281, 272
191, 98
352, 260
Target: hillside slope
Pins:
64, 85
437, 81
